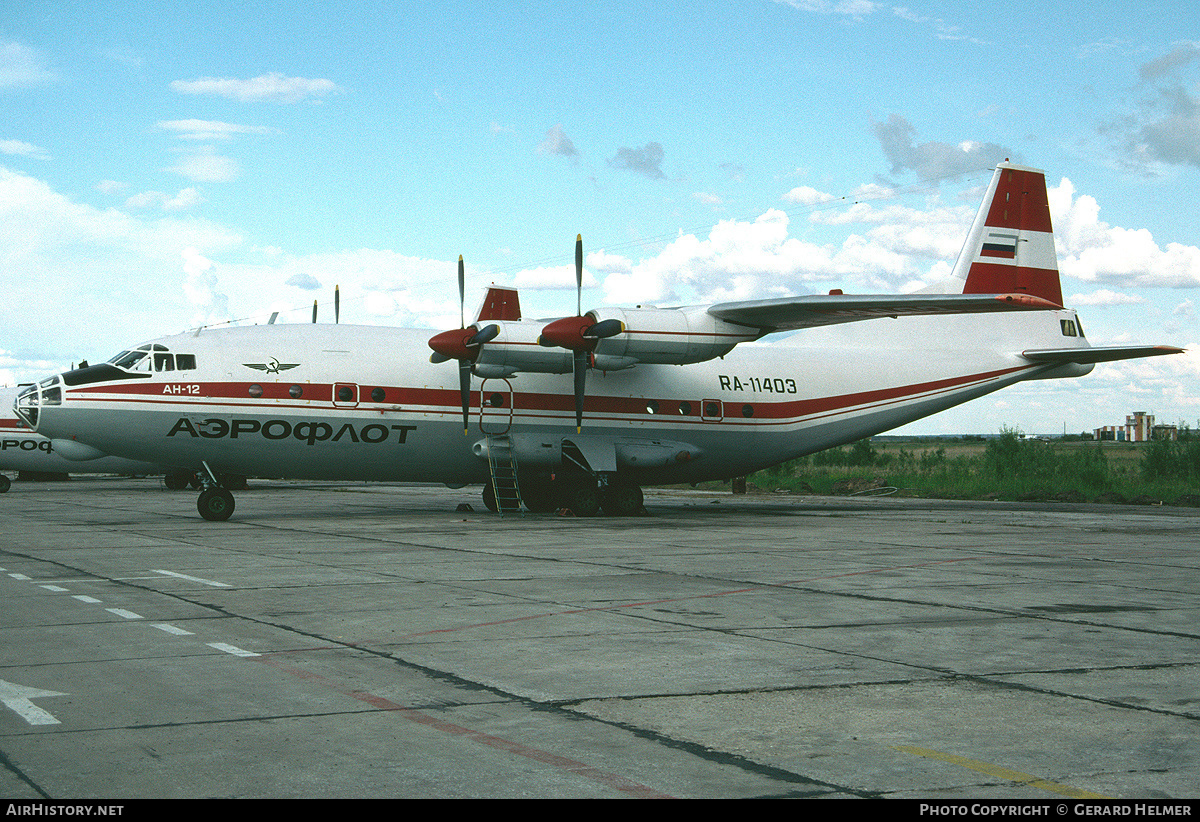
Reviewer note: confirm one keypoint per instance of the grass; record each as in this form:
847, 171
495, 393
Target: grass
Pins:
1005, 468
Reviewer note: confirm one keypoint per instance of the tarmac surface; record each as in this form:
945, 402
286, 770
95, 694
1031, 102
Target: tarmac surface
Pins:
369, 640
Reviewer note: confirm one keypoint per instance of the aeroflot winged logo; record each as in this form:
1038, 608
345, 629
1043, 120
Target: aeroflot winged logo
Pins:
272, 367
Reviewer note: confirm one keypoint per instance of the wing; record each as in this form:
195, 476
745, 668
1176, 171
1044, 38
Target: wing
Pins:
1104, 353
790, 313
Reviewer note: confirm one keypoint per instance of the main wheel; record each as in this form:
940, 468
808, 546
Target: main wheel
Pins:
622, 500
215, 504
489, 497
539, 495
5, 483
177, 480
581, 497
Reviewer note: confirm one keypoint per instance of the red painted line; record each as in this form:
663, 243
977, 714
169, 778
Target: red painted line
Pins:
603, 777
749, 590
447, 401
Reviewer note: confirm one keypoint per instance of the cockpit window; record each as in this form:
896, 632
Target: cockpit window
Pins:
156, 356
128, 359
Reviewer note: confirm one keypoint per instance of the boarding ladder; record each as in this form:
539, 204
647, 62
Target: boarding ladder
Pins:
503, 466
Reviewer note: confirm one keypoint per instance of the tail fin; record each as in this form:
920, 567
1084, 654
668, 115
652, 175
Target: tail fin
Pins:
1010, 248
500, 303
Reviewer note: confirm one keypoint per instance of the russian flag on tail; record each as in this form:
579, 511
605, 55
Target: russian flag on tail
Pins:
1010, 248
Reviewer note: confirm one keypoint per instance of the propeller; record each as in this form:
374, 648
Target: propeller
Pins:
462, 344
579, 335
337, 303
314, 311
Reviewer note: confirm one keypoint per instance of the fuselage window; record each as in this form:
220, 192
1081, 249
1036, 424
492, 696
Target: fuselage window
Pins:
296, 392
1068, 328
164, 362
185, 362
652, 406
345, 393
685, 408
377, 395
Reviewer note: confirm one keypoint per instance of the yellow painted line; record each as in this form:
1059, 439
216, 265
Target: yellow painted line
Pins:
1002, 773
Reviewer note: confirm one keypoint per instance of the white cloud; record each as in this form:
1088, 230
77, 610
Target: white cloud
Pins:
208, 130
1094, 251
20, 148
607, 263
206, 166
851, 8
553, 277
807, 195
1104, 297
22, 66
273, 88
185, 199
64, 259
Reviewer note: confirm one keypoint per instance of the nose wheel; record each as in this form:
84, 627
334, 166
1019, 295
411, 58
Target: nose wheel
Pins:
215, 504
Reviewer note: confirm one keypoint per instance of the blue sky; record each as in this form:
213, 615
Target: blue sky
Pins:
167, 165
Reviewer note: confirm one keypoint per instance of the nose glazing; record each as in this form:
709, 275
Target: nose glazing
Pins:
30, 401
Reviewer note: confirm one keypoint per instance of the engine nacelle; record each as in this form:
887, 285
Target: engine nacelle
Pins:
516, 349
668, 336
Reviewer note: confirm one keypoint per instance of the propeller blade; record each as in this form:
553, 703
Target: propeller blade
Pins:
484, 335
462, 294
580, 362
337, 303
314, 310
604, 329
578, 275
464, 387
438, 357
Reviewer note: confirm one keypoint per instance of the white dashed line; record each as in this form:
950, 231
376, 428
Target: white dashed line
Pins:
55, 588
19, 576
121, 612
192, 579
85, 598
171, 629
231, 649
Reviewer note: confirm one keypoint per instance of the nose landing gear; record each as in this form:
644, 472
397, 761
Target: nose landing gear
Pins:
215, 503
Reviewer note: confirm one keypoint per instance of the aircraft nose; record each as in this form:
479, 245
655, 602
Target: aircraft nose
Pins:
33, 399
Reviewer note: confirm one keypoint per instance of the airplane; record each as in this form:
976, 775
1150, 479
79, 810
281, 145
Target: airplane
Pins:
23, 451
580, 412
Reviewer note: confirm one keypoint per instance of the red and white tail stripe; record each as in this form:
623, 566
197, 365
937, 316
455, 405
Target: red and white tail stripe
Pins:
1010, 248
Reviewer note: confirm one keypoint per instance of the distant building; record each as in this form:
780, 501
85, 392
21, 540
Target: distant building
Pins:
1139, 427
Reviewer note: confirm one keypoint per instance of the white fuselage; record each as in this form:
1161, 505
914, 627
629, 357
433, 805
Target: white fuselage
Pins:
345, 402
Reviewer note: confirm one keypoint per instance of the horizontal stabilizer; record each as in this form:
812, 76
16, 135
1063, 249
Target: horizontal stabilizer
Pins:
1104, 353
789, 313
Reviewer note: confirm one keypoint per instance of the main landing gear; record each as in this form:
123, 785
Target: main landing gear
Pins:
583, 495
